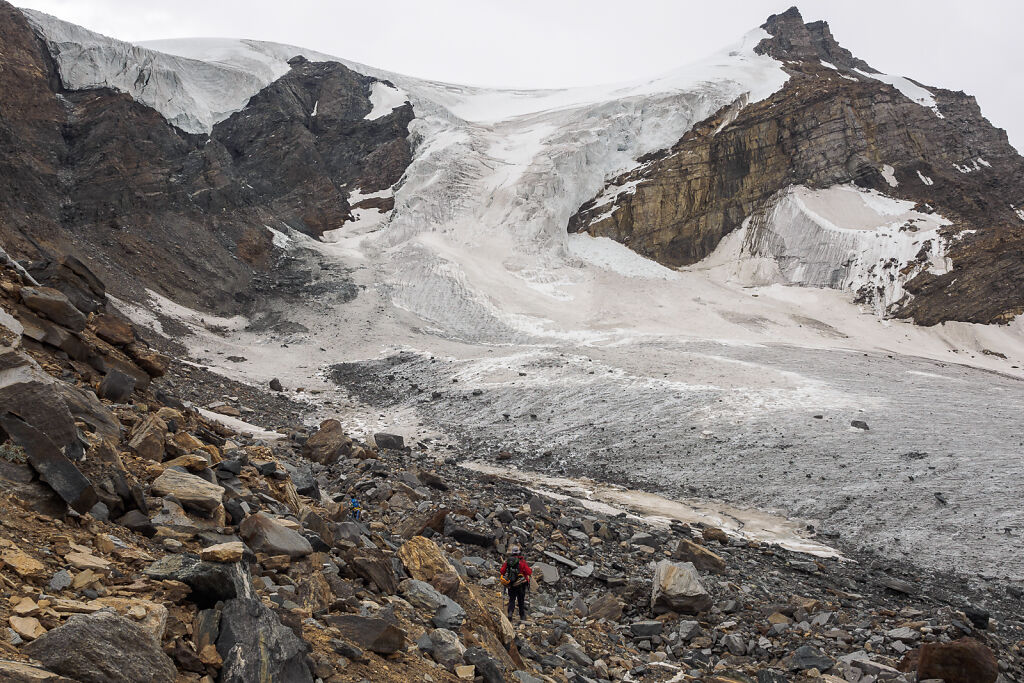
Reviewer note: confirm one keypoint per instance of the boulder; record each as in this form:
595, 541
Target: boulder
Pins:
486, 666
446, 648
16, 672
701, 558
423, 559
266, 535
608, 607
548, 572
32, 395
103, 647
153, 362
389, 441
54, 305
275, 385
328, 445
191, 491
113, 330
210, 581
676, 588
374, 566
85, 407
963, 661
256, 646
59, 473
807, 657
117, 387
465, 534
147, 438
371, 633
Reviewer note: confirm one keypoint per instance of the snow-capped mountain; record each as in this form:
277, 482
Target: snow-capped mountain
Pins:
677, 268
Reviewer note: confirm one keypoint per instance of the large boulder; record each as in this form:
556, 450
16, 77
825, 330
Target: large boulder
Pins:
389, 441
31, 394
263, 534
256, 646
374, 566
112, 329
329, 444
963, 661
102, 648
371, 633
54, 305
677, 588
423, 559
701, 558
191, 491
210, 581
52, 466
445, 647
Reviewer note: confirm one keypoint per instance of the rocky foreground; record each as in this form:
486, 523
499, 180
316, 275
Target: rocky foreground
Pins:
143, 541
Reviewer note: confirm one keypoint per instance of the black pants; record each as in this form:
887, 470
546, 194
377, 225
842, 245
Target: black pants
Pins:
517, 593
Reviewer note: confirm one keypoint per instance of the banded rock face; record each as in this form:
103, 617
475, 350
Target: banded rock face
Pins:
837, 122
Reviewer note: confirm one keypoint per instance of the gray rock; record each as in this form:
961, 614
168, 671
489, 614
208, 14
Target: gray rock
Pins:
676, 587
117, 386
548, 572
450, 616
256, 646
389, 441
735, 644
210, 582
584, 571
446, 648
688, 630
486, 666
537, 505
53, 467
103, 648
646, 629
60, 580
371, 633
54, 305
263, 534
807, 657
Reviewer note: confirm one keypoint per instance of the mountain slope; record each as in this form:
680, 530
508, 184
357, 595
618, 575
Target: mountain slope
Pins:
836, 122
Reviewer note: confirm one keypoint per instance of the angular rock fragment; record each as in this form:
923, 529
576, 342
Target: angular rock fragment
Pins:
53, 467
263, 534
676, 587
255, 646
103, 647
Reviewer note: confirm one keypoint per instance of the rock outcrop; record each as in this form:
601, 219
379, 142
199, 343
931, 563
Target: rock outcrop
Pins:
836, 122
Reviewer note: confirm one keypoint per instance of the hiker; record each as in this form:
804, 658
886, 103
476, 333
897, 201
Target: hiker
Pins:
515, 576
355, 509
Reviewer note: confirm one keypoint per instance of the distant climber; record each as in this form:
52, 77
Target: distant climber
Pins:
515, 576
355, 510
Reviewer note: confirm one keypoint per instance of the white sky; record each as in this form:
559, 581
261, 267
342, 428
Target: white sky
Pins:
529, 43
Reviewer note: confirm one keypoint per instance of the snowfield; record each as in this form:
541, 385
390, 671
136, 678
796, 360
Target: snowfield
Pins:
736, 378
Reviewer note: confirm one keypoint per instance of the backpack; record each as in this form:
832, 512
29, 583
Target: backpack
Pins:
511, 576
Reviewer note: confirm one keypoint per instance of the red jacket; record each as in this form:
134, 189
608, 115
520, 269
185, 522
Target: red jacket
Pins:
524, 569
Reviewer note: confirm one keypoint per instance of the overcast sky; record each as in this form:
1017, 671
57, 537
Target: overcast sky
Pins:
973, 46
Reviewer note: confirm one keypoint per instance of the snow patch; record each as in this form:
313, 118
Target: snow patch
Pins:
608, 254
911, 90
385, 99
890, 175
281, 240
829, 65
925, 179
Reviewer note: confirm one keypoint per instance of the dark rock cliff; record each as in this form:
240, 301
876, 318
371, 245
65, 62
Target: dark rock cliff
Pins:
97, 175
830, 126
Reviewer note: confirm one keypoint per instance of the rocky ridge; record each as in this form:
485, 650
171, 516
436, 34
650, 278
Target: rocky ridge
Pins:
142, 541
836, 122
96, 175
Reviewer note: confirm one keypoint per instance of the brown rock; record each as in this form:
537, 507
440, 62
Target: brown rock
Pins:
191, 491
701, 557
112, 329
265, 534
963, 661
715, 534
153, 362
28, 628
23, 565
423, 559
329, 444
147, 438
229, 552
54, 305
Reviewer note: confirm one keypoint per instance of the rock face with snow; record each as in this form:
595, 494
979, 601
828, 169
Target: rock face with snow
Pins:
111, 156
838, 122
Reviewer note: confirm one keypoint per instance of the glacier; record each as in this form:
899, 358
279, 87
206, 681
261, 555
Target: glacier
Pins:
590, 359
